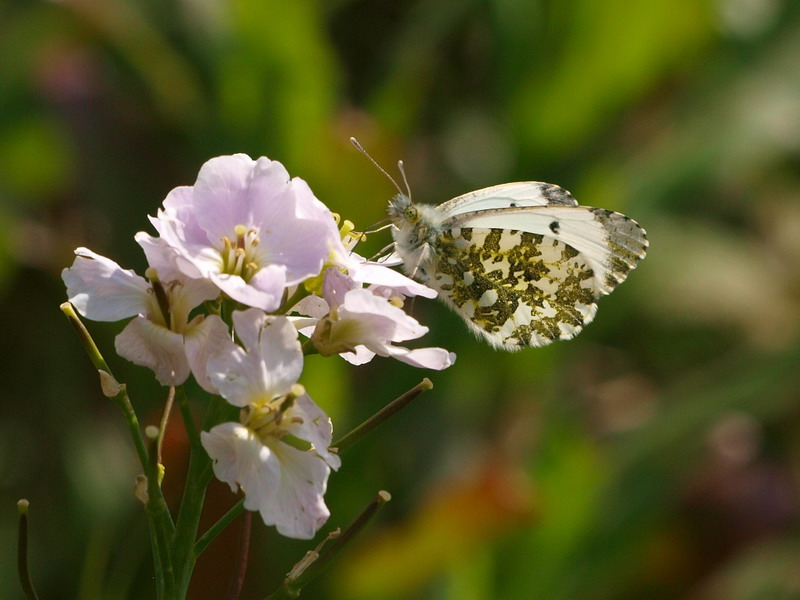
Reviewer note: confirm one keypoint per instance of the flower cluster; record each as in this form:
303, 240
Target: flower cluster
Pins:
246, 263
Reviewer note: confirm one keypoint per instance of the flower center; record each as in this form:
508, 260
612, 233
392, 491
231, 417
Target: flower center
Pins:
239, 256
268, 418
160, 311
262, 418
350, 237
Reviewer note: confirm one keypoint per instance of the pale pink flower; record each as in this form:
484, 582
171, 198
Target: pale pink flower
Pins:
101, 290
361, 323
249, 228
284, 483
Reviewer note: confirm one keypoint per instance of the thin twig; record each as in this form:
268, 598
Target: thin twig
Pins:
379, 417
311, 565
162, 426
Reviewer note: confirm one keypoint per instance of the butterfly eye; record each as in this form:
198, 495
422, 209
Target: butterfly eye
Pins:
411, 214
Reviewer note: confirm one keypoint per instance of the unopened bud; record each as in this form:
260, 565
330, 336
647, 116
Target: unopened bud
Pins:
110, 386
298, 569
140, 488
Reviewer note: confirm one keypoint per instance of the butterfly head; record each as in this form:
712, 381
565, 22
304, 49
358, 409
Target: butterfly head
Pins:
403, 213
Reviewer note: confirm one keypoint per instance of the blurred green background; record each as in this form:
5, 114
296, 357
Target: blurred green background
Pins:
656, 456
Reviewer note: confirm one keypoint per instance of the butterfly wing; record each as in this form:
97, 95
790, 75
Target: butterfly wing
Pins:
527, 276
612, 243
514, 288
521, 262
520, 194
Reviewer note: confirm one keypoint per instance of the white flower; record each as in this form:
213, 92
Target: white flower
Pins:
358, 323
101, 290
362, 271
362, 323
284, 483
249, 228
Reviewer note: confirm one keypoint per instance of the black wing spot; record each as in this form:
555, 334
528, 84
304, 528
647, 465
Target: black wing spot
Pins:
513, 205
554, 226
556, 196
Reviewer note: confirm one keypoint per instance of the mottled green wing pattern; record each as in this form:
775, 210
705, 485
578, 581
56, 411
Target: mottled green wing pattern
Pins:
512, 287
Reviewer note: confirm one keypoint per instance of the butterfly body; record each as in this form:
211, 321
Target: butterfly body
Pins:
522, 263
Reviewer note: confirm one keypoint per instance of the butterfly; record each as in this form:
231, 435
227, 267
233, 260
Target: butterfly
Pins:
521, 263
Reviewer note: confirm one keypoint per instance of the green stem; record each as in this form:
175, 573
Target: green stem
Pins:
134, 429
162, 426
161, 521
108, 381
218, 528
379, 417
162, 566
161, 525
85, 338
339, 542
317, 560
188, 419
197, 480
22, 552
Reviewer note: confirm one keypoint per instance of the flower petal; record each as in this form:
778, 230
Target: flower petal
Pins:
144, 343
312, 306
307, 421
284, 484
236, 377
425, 358
298, 507
377, 315
264, 290
101, 290
239, 456
222, 194
381, 276
360, 356
301, 245
270, 365
285, 233
335, 287
208, 338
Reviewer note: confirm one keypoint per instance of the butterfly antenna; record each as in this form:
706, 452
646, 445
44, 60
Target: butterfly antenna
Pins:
402, 168
360, 148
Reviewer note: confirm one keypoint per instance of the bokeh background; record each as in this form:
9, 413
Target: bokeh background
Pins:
656, 456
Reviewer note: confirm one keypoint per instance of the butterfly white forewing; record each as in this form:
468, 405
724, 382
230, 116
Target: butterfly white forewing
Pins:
521, 263
508, 195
